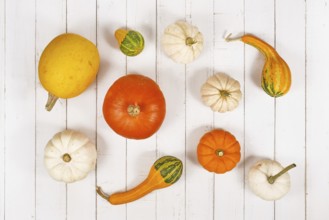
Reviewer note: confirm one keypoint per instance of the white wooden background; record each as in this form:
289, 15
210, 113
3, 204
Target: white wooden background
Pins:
293, 128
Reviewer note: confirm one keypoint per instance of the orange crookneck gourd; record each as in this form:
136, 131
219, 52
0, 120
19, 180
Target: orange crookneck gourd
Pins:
165, 171
276, 75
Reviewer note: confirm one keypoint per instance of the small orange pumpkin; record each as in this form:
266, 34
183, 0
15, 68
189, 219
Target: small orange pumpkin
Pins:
134, 106
218, 151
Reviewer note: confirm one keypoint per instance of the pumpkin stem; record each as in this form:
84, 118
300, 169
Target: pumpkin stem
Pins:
219, 152
272, 179
190, 41
228, 39
224, 93
120, 35
66, 158
133, 110
51, 101
101, 193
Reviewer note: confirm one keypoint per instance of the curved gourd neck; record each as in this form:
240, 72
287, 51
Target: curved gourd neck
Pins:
133, 194
261, 45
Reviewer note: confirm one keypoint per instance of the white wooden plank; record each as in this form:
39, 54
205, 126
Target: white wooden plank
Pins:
141, 154
171, 77
259, 107
50, 194
111, 172
290, 109
199, 118
2, 108
111, 165
229, 59
81, 112
20, 110
317, 110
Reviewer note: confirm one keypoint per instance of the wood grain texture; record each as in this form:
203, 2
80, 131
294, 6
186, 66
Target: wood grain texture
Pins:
112, 148
2, 107
259, 107
170, 202
317, 175
229, 59
292, 128
81, 112
50, 194
201, 15
20, 110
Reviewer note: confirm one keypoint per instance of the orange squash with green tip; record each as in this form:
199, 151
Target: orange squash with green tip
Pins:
276, 75
165, 171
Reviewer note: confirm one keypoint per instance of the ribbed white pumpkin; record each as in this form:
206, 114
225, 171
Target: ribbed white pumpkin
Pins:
182, 42
69, 156
269, 180
221, 92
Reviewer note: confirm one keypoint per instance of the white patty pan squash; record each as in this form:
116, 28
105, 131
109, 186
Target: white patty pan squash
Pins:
69, 156
221, 93
269, 180
182, 42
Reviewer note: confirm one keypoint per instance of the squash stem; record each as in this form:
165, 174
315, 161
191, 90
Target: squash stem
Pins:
272, 179
51, 101
219, 152
133, 110
120, 35
66, 158
228, 39
224, 93
190, 41
101, 193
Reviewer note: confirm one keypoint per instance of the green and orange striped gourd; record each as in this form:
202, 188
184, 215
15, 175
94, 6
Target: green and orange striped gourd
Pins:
164, 172
131, 42
276, 75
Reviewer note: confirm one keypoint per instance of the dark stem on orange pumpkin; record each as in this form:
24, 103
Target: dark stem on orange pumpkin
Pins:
133, 110
66, 158
219, 152
272, 179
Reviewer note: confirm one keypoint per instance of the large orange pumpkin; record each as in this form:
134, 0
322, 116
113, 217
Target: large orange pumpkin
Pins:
134, 106
218, 151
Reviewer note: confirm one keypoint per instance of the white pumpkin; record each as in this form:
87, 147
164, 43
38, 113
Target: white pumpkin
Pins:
182, 42
269, 180
221, 92
69, 156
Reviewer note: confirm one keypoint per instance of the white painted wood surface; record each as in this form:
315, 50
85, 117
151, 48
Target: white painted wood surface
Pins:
293, 128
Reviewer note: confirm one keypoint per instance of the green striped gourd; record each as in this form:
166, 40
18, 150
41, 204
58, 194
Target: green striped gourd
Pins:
131, 42
165, 171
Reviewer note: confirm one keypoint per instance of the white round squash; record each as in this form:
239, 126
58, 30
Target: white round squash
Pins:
69, 156
182, 42
221, 92
269, 180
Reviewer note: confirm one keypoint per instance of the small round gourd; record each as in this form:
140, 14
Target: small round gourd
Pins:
69, 156
182, 42
131, 42
221, 92
218, 151
269, 180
